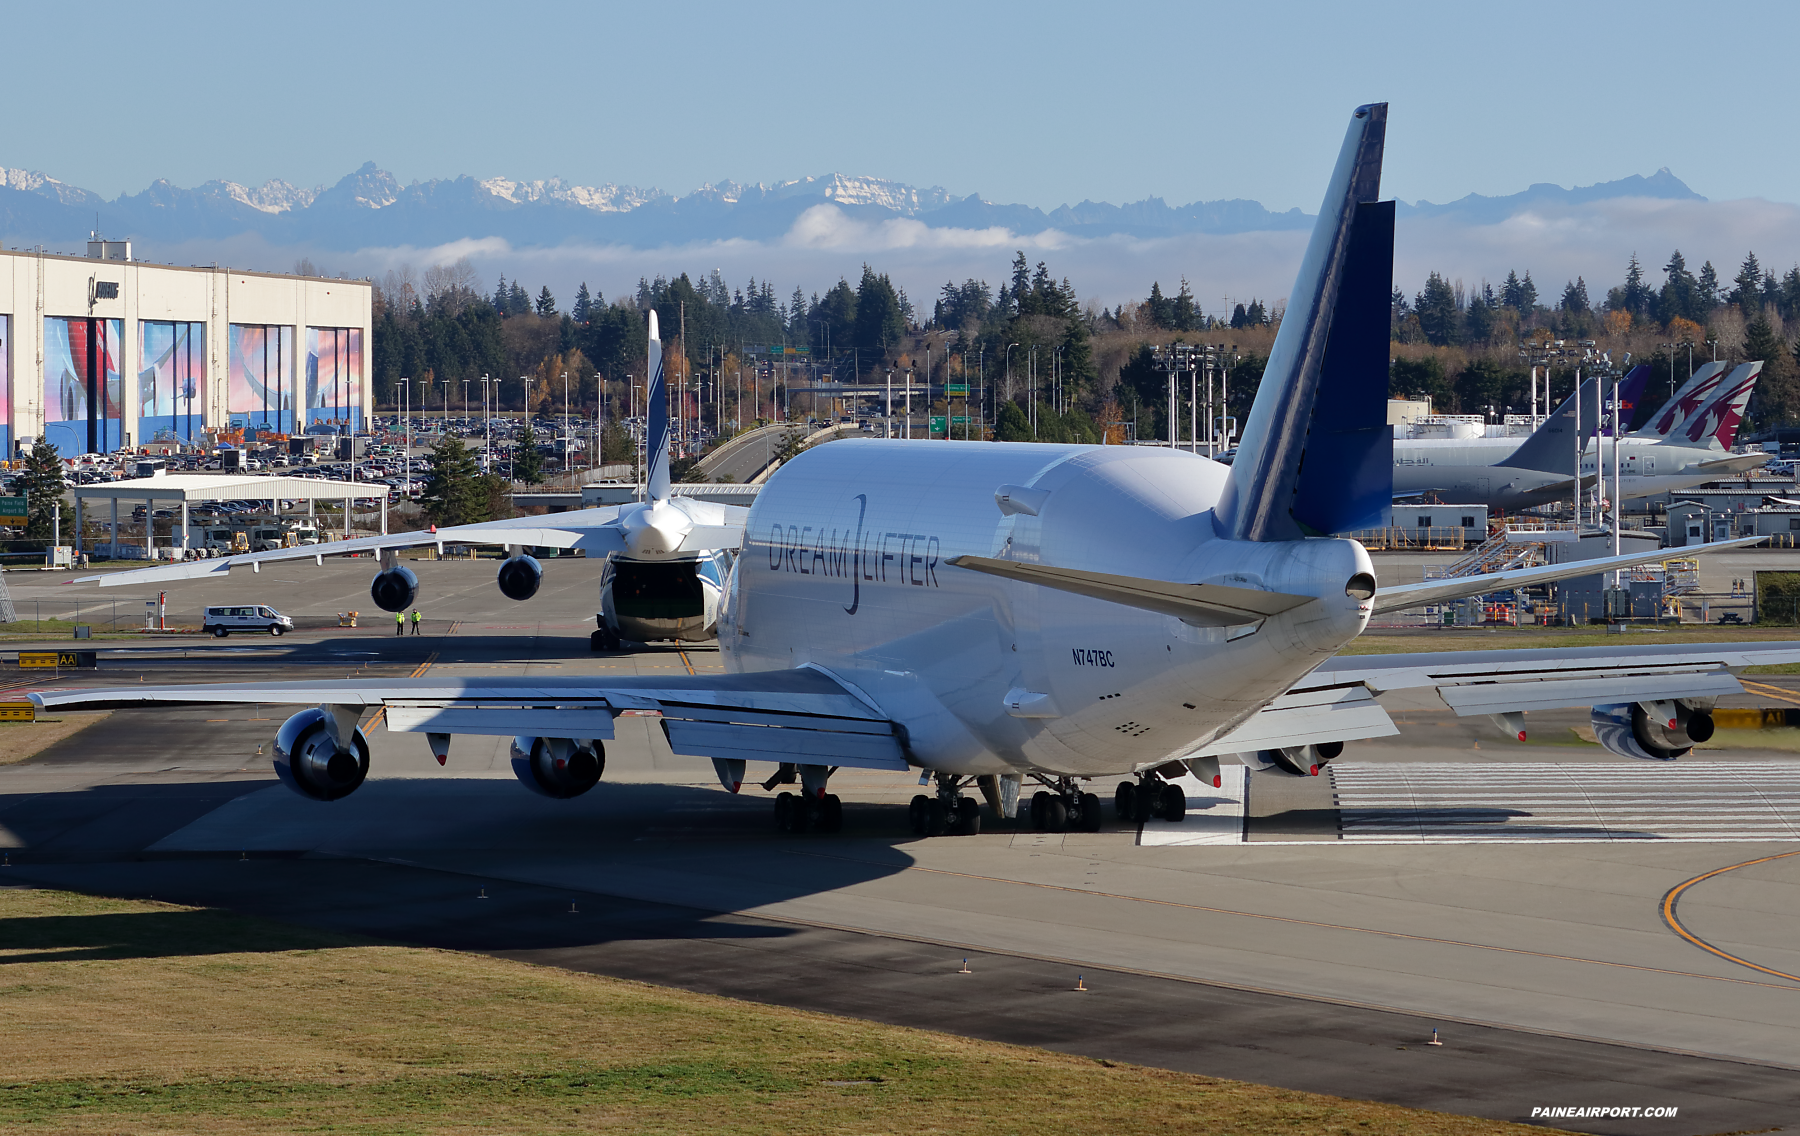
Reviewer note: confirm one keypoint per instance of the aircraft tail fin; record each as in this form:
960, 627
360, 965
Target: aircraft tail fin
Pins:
1693, 394
1715, 425
656, 410
1631, 393
1324, 391
1551, 448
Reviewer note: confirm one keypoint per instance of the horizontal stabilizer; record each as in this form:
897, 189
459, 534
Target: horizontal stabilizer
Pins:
1204, 605
1404, 596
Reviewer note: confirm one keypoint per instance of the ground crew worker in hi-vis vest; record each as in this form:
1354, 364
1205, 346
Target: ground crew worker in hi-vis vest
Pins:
415, 621
399, 623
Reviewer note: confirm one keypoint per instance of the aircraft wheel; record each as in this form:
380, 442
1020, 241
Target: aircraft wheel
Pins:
937, 818
915, 813
970, 812
597, 641
831, 813
1125, 802
1056, 815
1143, 804
784, 812
1174, 803
1090, 813
1040, 812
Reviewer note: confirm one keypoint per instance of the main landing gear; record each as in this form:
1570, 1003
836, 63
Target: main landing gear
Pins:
812, 809
1062, 807
605, 639
949, 813
1149, 798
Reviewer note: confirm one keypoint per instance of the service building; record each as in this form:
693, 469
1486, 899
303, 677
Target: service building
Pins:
102, 351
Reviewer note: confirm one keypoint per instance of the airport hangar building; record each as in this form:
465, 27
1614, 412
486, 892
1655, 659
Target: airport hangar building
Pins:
102, 351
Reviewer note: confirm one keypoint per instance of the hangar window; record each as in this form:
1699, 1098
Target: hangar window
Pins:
1425, 520
1793, 524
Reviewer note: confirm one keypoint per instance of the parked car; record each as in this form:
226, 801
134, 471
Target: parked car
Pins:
222, 621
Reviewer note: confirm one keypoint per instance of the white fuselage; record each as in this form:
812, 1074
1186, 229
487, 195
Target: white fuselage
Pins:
844, 568
1467, 470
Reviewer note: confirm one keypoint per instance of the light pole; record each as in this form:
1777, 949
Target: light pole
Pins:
406, 427
1009, 348
447, 383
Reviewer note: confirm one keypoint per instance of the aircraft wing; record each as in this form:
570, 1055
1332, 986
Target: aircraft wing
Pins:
796, 715
1506, 682
595, 531
1461, 587
1734, 463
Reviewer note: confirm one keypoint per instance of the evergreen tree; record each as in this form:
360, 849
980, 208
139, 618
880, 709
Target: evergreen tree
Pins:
1184, 316
798, 331
1436, 306
1747, 295
838, 313
452, 495
1575, 297
1240, 317
528, 464
1680, 293
546, 303
500, 294
1776, 400
42, 486
1708, 287
1021, 286
1512, 294
1011, 424
1256, 315
1157, 308
580, 311
879, 321
1528, 295
517, 302
1789, 300
1478, 321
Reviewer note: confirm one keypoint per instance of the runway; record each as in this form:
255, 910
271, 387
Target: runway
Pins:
1301, 932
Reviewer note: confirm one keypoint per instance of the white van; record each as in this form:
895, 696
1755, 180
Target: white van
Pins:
222, 621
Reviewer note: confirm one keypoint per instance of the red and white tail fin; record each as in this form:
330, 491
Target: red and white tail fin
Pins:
1715, 425
1700, 387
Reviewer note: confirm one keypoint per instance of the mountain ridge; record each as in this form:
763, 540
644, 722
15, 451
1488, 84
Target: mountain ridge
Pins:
370, 207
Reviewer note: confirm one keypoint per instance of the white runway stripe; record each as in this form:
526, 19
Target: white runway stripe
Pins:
1448, 802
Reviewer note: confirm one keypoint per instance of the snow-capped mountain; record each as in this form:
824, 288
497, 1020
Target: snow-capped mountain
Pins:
371, 208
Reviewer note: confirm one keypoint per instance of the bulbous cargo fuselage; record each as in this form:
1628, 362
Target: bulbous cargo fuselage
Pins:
845, 566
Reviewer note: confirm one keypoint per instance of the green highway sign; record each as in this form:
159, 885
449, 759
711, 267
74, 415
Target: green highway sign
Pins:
957, 390
12, 510
937, 423
959, 420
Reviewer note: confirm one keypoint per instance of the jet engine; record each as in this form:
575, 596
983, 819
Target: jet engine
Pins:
519, 578
312, 759
394, 589
1301, 761
558, 767
1654, 731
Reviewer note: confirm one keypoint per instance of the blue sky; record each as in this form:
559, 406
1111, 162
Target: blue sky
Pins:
1043, 103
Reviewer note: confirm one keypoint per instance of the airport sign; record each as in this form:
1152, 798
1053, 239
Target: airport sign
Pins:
13, 510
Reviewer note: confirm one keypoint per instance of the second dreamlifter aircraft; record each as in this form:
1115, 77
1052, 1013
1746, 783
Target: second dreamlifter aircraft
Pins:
1686, 443
991, 614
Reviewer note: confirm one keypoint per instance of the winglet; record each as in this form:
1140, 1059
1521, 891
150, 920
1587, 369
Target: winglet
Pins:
657, 411
1258, 503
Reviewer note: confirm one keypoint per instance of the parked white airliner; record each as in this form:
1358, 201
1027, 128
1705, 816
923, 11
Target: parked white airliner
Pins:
665, 559
992, 613
1678, 449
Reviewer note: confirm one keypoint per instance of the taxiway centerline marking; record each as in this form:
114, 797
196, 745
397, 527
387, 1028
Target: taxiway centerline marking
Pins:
1675, 925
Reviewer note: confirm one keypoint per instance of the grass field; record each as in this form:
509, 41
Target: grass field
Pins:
121, 1016
1384, 642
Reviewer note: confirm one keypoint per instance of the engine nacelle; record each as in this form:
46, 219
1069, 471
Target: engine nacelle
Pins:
558, 767
310, 763
1652, 731
394, 589
1301, 761
519, 577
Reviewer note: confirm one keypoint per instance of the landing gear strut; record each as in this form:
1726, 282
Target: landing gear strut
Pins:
1062, 807
812, 809
1150, 797
605, 639
946, 813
